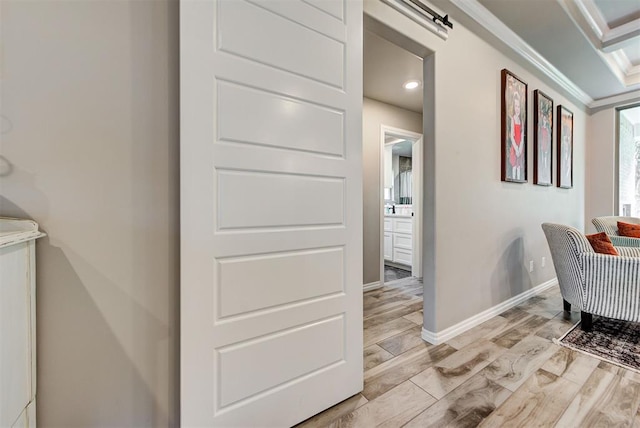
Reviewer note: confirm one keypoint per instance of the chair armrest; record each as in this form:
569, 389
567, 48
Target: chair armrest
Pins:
625, 241
612, 285
629, 251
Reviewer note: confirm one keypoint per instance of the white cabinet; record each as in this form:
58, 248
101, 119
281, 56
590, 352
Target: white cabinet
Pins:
17, 322
403, 225
388, 246
398, 240
403, 241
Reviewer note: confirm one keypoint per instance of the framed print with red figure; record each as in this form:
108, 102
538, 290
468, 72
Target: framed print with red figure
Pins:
513, 128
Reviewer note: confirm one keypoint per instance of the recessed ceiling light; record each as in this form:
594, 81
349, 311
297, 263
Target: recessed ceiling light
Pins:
411, 84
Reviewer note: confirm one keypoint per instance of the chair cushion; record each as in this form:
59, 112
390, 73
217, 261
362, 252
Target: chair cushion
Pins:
602, 244
628, 229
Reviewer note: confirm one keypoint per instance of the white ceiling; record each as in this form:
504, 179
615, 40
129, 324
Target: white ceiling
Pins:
590, 47
386, 68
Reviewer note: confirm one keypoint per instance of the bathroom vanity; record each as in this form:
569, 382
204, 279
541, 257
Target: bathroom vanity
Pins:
398, 244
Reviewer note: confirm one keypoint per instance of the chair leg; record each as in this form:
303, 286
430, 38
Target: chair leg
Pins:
566, 305
586, 322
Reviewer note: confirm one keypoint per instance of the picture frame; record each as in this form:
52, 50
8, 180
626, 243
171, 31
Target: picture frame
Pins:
513, 139
565, 147
542, 139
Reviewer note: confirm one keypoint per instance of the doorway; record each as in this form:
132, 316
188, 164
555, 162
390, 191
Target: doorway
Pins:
392, 124
401, 229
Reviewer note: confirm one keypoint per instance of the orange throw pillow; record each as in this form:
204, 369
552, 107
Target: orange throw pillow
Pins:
602, 244
629, 230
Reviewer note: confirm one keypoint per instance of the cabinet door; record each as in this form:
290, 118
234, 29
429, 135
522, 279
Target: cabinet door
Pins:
403, 225
388, 246
388, 225
402, 240
402, 256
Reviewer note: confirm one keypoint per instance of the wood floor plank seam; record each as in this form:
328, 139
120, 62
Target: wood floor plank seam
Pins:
505, 371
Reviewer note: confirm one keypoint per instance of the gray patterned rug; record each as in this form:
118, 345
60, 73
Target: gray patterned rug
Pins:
614, 341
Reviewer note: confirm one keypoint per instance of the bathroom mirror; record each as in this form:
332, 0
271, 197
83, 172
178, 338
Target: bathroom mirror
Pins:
398, 175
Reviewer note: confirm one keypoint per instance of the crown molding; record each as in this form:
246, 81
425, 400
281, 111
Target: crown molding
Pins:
616, 100
496, 27
632, 72
593, 17
619, 37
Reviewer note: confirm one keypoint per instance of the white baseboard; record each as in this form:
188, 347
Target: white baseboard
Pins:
451, 332
371, 286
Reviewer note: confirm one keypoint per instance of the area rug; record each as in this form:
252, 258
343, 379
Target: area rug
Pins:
614, 341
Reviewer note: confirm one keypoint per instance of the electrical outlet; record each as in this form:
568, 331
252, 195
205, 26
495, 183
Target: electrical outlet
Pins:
544, 262
531, 266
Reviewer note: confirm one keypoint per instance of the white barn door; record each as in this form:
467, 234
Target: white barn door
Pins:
271, 209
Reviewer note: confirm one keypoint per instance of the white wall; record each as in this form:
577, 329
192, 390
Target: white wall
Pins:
90, 151
601, 152
483, 232
374, 115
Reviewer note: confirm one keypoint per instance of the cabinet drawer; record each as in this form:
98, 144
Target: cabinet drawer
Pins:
388, 225
403, 225
402, 256
402, 240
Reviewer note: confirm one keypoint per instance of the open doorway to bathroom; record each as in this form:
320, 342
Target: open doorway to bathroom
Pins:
401, 172
392, 152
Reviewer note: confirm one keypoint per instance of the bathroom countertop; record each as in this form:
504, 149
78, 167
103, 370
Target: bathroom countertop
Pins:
398, 215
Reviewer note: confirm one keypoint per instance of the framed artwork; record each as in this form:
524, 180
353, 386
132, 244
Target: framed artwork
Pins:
565, 148
543, 138
514, 128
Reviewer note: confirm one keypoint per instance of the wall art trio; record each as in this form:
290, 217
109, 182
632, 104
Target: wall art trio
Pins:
514, 135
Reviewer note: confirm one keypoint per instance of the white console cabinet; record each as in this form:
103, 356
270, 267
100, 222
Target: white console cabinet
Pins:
18, 322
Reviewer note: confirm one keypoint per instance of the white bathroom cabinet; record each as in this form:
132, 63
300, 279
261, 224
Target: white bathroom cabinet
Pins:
398, 240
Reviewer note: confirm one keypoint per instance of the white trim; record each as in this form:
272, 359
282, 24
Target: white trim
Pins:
416, 201
610, 38
616, 99
621, 36
496, 27
461, 327
416, 198
371, 286
594, 18
17, 238
413, 13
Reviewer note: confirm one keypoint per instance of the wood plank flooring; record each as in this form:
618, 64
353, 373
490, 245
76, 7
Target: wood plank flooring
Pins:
506, 372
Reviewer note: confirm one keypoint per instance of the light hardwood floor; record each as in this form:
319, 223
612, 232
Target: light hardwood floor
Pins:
505, 372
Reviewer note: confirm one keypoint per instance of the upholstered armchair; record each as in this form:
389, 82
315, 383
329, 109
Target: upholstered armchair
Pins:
609, 225
597, 284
